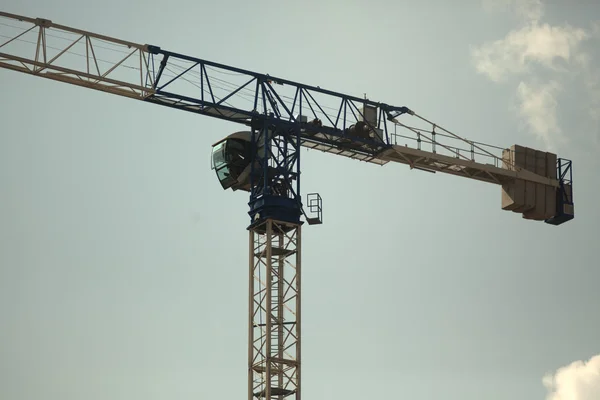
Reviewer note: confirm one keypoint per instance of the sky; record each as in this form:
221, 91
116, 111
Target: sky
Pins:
123, 264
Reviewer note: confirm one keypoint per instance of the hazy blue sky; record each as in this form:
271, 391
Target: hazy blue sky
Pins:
123, 265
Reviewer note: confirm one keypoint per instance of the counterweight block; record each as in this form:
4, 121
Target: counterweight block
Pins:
538, 201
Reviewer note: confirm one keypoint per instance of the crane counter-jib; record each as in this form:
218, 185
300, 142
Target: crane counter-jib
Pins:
434, 162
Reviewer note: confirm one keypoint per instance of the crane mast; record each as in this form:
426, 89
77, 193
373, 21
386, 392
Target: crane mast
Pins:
279, 117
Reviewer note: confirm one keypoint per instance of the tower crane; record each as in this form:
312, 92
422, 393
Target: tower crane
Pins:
278, 117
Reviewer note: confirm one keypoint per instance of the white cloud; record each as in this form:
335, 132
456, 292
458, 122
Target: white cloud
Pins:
579, 380
529, 9
536, 49
537, 106
524, 48
590, 76
596, 28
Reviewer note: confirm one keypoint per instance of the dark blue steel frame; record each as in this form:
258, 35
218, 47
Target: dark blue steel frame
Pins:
564, 193
281, 123
285, 114
275, 174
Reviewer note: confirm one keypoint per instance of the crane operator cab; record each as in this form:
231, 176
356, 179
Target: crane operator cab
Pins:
231, 161
236, 160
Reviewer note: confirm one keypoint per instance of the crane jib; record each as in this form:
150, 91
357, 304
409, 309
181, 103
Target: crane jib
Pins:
317, 118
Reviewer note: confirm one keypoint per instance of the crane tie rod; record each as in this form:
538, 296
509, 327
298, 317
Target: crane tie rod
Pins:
434, 125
